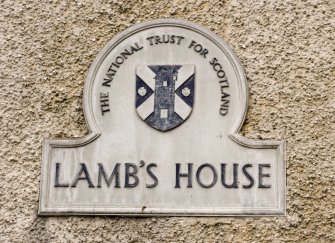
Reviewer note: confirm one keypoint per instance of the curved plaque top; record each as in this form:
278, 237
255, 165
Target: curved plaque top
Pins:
169, 42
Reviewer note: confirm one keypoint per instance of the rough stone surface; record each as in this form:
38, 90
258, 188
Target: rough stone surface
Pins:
287, 49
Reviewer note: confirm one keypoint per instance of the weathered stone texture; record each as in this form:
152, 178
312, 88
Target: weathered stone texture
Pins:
287, 49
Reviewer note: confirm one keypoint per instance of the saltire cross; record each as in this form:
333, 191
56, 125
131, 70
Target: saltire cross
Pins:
164, 94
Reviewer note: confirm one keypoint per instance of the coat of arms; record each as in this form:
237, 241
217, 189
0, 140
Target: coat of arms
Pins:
164, 94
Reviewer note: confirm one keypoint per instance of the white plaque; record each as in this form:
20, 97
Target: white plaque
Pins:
164, 102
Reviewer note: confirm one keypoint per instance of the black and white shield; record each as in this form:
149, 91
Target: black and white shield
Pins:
164, 94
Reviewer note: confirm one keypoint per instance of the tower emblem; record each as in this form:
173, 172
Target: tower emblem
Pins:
164, 94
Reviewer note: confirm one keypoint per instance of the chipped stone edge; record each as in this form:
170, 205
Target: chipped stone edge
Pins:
240, 115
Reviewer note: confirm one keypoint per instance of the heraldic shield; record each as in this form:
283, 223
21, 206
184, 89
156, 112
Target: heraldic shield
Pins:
164, 94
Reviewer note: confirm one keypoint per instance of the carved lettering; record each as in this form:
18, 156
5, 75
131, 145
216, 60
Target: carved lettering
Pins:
234, 184
261, 176
198, 48
215, 177
188, 175
165, 39
246, 173
118, 61
131, 171
152, 175
57, 183
104, 103
82, 175
115, 173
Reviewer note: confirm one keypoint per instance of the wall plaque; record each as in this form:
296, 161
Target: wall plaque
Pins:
164, 102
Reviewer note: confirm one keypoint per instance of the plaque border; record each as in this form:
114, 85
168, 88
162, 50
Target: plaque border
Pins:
279, 145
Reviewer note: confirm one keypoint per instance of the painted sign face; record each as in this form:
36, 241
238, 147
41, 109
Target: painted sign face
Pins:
178, 151
164, 94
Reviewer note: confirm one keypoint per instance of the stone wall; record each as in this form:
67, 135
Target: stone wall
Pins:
287, 49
